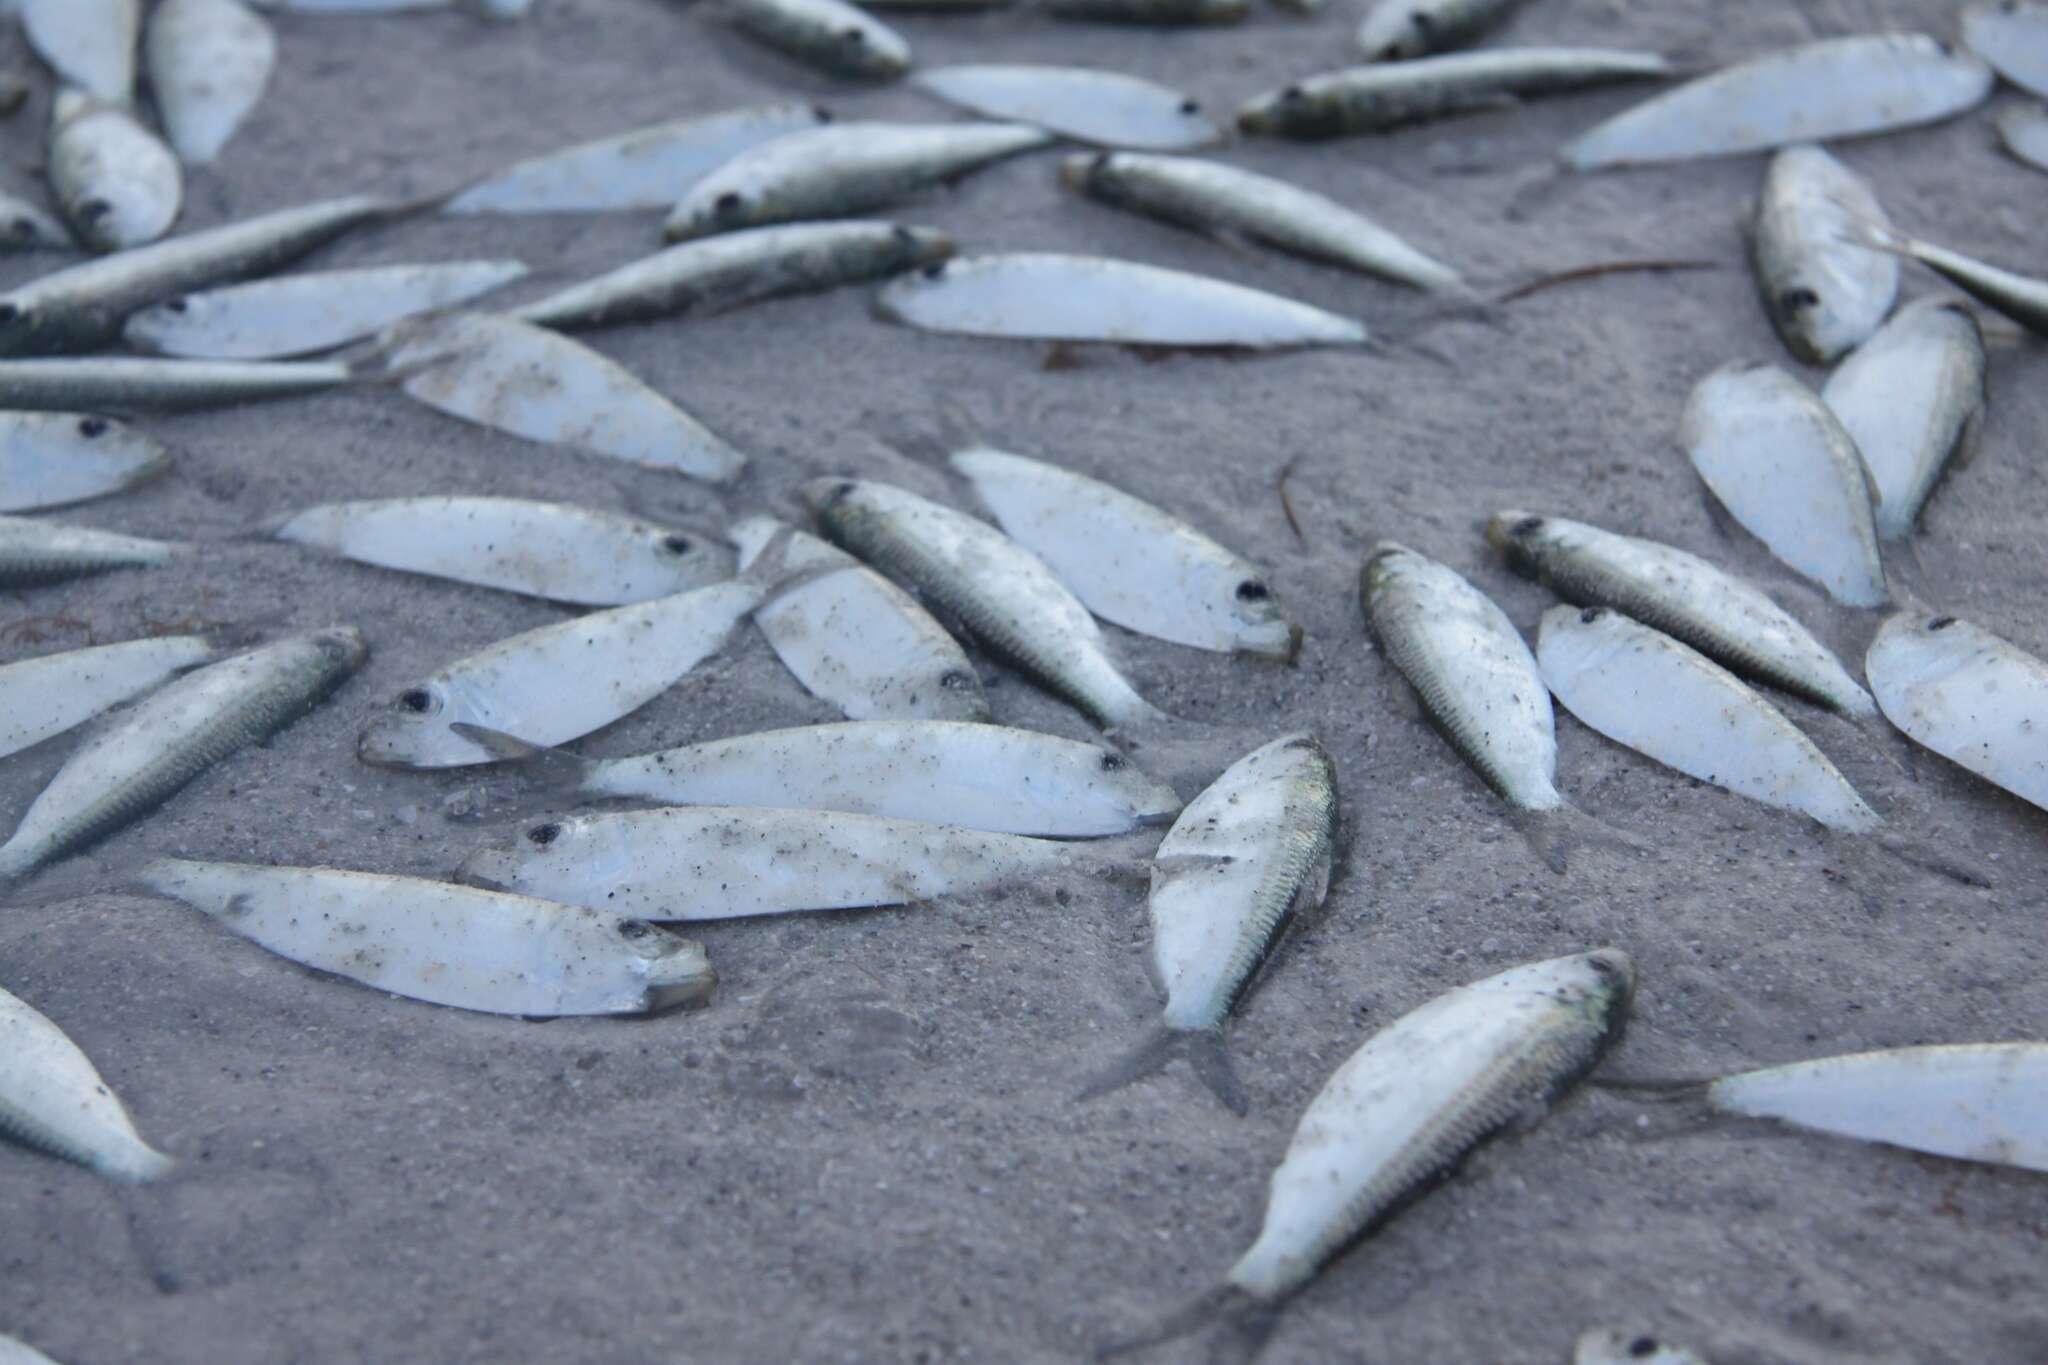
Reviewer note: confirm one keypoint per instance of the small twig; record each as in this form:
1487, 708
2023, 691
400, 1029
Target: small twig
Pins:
1588, 272
1286, 502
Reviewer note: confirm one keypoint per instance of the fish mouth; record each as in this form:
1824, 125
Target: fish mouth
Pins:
691, 985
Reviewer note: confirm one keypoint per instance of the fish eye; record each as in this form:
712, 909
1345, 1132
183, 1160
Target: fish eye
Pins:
1792, 300
821, 113
90, 427
1601, 965
1114, 763
727, 203
92, 210
418, 699
177, 305
854, 35
904, 235
1591, 614
676, 545
1643, 1346
1527, 526
1191, 106
1941, 623
934, 270
954, 680
22, 229
543, 835
1252, 590
8, 312
1293, 94
629, 928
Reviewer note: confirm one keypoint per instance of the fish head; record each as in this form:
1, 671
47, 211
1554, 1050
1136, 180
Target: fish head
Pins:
341, 648
684, 558
1398, 33
1090, 173
1811, 317
1151, 801
1914, 648
411, 731
717, 203
1291, 111
154, 327
1575, 639
1520, 537
674, 968
917, 246
23, 326
1601, 983
1384, 567
544, 859
833, 503
1259, 624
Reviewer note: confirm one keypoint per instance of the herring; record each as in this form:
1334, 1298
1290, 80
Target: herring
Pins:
1778, 459
1665, 700
2013, 37
35, 552
128, 382
1398, 30
54, 1099
2023, 128
173, 735
2022, 298
1104, 107
838, 38
1912, 399
1682, 595
1248, 852
53, 459
446, 944
208, 63
47, 695
1129, 562
553, 550
1968, 695
88, 43
1824, 293
1815, 92
118, 185
1051, 296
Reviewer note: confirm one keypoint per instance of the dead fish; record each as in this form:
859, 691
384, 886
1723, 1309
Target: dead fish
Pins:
1970, 696
714, 274
1103, 107
1406, 1108
118, 185
480, 367
129, 384
1171, 13
1815, 92
1912, 399
83, 307
446, 944
2022, 298
1682, 595
53, 1098
2023, 128
1824, 293
133, 765
835, 37
1210, 196
1245, 854
1613, 1346
1665, 700
1778, 459
1051, 296
1403, 29
855, 639
292, 315
37, 552
937, 772
26, 227
2013, 37
208, 63
54, 459
1375, 98
840, 169
47, 695
1129, 562
88, 43
643, 169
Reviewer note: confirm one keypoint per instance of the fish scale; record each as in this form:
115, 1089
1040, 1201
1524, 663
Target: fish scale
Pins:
35, 552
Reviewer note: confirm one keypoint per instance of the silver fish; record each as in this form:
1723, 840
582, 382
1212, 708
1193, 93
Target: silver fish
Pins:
1824, 293
2013, 37
1397, 30
1815, 92
1682, 595
1613, 1346
1977, 700
544, 549
1254, 846
33, 552
1006, 596
831, 35
1051, 296
446, 944
840, 169
1104, 107
125, 382
208, 63
1213, 197
294, 315
2023, 128
52, 693
173, 735
118, 185
2022, 298
1374, 98
28, 227
1164, 12
53, 459
713, 274
88, 43
52, 1097
1912, 398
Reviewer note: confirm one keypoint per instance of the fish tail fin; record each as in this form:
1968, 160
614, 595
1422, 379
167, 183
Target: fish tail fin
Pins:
1680, 1105
1248, 1321
775, 577
1205, 1053
1538, 192
1151, 1055
1554, 835
557, 769
213, 1223
143, 1166
1918, 855
1211, 1062
1905, 574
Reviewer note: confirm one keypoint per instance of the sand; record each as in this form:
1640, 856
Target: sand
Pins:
867, 1148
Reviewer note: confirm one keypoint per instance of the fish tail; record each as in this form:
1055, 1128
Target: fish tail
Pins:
142, 1166
1864, 231
1918, 855
1905, 576
771, 572
1151, 1055
1205, 1054
1212, 1066
1554, 835
1250, 1323
557, 769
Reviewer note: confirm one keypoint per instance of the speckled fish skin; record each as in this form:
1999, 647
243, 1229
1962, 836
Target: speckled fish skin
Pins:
2013, 37
1166, 13
1470, 667
1398, 30
1682, 595
84, 306
840, 169
553, 550
714, 274
830, 35
53, 1098
1912, 398
1129, 562
1104, 107
132, 384
1778, 459
1667, 701
2020, 297
208, 62
1968, 695
1613, 1346
1006, 596
724, 862
131, 766
557, 682
119, 186
28, 227
1053, 296
446, 944
858, 641
1815, 92
88, 43
1212, 196
2023, 128
293, 315
642, 169
34, 552
1374, 98
52, 693
54, 459
1971, 1101
1824, 292
479, 367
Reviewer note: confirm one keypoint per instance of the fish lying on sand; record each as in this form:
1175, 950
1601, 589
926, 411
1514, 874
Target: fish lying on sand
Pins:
52, 1098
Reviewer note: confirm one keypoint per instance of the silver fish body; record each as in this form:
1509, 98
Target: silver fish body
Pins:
2023, 298
53, 459
2012, 35
131, 383
52, 693
2023, 128
1977, 700
1825, 291
53, 1098
208, 63
34, 552
88, 43
831, 35
1397, 30
118, 185
1104, 107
